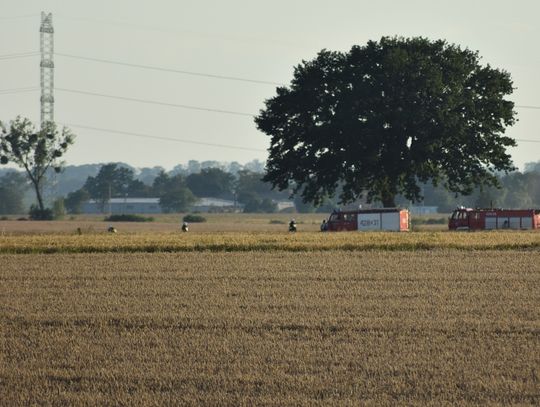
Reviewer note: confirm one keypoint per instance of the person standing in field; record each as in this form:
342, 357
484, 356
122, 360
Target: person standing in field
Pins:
324, 226
292, 226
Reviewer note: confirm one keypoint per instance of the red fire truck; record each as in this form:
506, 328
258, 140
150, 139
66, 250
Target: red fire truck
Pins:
393, 219
489, 219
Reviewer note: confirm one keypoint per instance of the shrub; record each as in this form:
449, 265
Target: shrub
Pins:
277, 222
59, 209
38, 214
429, 221
128, 218
439, 221
194, 218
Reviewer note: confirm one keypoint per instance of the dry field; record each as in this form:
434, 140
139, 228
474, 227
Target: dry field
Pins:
272, 327
167, 223
265, 241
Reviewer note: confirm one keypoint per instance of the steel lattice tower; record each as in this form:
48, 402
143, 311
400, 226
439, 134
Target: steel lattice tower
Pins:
47, 68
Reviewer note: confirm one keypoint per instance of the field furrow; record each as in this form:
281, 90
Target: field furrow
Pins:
333, 327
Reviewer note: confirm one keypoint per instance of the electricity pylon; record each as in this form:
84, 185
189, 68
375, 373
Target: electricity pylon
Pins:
47, 68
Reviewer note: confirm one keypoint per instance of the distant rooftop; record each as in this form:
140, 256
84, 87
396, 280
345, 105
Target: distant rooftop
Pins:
200, 202
214, 202
130, 200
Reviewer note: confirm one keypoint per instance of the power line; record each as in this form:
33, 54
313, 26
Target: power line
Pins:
31, 89
127, 133
18, 90
35, 88
161, 69
18, 17
153, 102
201, 74
148, 136
527, 107
18, 55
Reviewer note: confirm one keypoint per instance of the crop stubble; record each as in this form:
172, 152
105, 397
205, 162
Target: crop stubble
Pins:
270, 328
250, 241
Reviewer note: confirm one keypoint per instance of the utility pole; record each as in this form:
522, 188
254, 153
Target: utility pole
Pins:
47, 68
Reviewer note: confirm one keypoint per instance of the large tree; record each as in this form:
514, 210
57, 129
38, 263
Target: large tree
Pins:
385, 117
34, 151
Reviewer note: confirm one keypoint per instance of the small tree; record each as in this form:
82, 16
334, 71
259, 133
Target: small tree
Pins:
174, 195
59, 209
75, 200
177, 200
34, 151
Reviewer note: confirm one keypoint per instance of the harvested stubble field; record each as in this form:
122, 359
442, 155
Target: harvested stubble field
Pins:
267, 241
292, 323
167, 223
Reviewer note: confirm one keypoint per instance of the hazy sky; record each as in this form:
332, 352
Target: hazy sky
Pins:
247, 39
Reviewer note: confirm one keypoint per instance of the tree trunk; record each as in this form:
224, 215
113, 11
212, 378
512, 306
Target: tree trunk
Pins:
388, 194
388, 200
38, 195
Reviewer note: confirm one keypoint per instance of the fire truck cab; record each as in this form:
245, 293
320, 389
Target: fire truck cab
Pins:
489, 219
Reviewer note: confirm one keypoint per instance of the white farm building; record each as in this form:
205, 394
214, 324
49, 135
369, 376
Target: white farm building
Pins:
151, 205
124, 205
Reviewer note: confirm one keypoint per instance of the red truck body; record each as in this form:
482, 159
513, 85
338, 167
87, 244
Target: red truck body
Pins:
369, 220
490, 219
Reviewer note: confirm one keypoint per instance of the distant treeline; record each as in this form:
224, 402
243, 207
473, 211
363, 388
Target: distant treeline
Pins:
180, 187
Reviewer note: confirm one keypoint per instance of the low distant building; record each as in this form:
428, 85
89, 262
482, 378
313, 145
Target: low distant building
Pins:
284, 205
123, 206
216, 205
151, 205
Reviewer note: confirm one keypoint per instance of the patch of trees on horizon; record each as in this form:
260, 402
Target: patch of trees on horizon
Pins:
176, 191
180, 188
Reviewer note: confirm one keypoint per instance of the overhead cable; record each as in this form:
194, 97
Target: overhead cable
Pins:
18, 90
18, 17
153, 102
161, 69
128, 133
18, 55
527, 107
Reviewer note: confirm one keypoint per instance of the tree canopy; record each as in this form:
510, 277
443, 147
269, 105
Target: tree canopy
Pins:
74, 200
111, 181
174, 195
34, 151
12, 188
383, 118
211, 182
